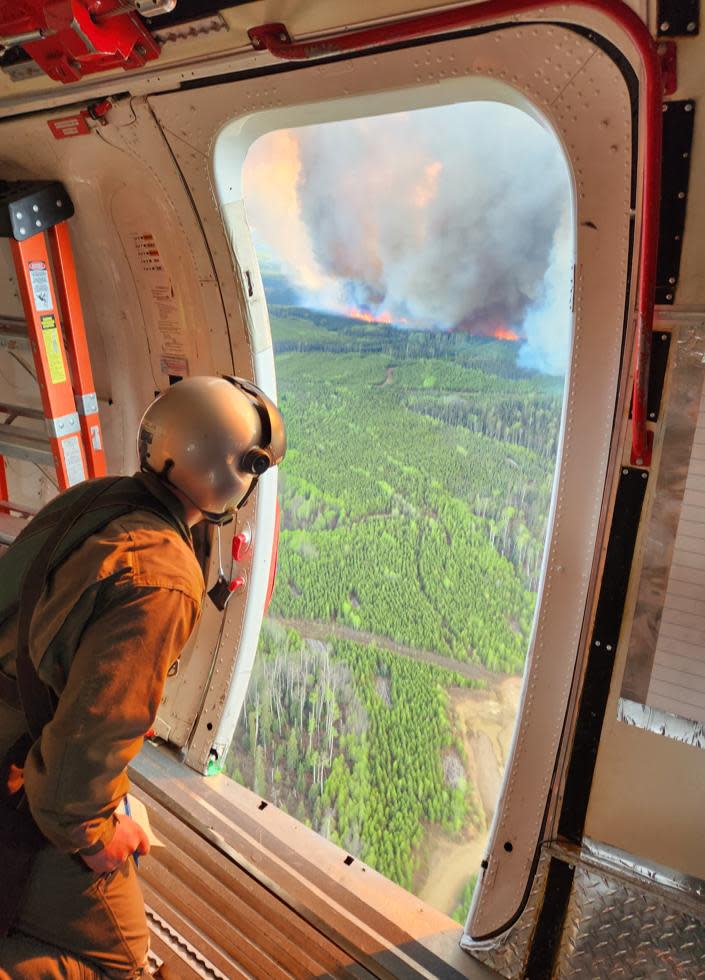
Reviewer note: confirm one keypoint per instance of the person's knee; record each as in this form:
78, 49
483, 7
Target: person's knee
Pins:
25, 958
99, 919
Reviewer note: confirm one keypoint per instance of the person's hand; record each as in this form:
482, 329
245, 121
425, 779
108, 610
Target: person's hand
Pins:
129, 838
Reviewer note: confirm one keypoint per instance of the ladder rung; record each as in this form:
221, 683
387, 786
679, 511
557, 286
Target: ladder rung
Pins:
22, 509
10, 527
24, 444
7, 408
13, 333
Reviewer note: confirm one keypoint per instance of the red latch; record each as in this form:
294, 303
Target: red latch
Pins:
236, 584
99, 110
241, 546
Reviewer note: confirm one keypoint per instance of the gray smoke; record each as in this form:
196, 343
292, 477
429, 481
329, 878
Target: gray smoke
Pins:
454, 218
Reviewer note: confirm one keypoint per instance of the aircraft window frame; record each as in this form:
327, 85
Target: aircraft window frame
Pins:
554, 461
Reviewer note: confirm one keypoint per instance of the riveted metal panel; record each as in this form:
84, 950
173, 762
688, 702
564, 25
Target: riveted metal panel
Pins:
678, 18
678, 127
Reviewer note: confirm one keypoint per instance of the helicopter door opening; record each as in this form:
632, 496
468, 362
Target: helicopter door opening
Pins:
424, 411
589, 109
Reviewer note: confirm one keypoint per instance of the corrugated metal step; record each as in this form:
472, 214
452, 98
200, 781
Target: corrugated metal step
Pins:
216, 918
241, 888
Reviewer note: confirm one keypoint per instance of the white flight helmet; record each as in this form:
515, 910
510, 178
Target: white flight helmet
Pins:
212, 438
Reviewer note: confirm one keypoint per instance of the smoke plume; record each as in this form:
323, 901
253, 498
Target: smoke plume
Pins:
455, 218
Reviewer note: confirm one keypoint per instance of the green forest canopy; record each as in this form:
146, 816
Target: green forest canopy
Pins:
414, 497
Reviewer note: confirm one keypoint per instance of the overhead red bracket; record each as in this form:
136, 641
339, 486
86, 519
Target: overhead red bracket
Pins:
69, 39
268, 36
275, 39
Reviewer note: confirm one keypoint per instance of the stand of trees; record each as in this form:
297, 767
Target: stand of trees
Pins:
351, 740
460, 913
414, 496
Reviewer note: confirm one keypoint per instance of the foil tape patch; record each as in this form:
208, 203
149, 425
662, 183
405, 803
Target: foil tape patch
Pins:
661, 723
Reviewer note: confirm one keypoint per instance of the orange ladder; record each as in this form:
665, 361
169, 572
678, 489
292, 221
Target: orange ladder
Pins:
34, 217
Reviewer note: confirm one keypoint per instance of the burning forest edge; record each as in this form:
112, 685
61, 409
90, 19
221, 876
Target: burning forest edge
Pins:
456, 218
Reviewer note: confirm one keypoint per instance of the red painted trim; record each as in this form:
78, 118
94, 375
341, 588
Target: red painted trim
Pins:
275, 556
4, 493
275, 39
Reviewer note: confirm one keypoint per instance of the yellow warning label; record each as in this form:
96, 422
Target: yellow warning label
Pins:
57, 369
48, 322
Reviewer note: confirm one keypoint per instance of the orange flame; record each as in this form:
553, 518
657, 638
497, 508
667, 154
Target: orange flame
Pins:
384, 317
504, 333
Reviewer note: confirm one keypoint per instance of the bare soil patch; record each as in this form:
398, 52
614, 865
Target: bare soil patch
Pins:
485, 721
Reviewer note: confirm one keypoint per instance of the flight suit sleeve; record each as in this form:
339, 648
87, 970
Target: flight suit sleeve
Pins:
75, 774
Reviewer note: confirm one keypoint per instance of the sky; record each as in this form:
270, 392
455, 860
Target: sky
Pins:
451, 218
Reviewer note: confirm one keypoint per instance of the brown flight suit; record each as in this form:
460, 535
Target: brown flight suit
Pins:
111, 621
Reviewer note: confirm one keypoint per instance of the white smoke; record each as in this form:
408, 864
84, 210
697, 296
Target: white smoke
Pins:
547, 325
455, 218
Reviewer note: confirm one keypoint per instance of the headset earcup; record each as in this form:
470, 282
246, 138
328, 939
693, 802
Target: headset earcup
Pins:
256, 462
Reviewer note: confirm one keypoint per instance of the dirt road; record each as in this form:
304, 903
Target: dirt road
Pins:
327, 631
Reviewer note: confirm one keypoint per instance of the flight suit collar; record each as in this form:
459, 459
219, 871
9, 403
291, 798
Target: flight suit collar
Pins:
158, 489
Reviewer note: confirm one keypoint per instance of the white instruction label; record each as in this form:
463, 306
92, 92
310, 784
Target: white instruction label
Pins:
39, 278
95, 437
73, 461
